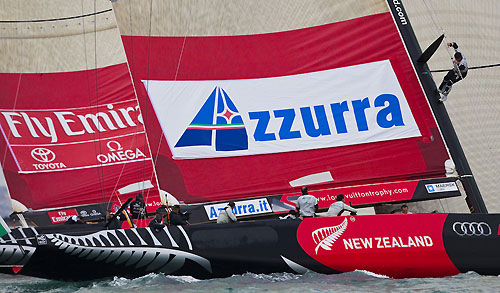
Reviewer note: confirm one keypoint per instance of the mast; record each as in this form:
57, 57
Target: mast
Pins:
473, 198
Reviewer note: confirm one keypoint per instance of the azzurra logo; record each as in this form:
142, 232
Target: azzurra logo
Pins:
282, 114
218, 114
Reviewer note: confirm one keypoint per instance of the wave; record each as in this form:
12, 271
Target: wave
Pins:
357, 281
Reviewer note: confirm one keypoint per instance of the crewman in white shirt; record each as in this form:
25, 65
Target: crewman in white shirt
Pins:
226, 215
307, 205
338, 207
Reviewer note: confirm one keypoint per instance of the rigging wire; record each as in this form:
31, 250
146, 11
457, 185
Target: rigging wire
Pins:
10, 132
451, 53
95, 13
437, 28
431, 12
115, 188
145, 115
128, 61
175, 78
137, 127
142, 129
97, 98
161, 132
134, 140
95, 138
180, 58
470, 68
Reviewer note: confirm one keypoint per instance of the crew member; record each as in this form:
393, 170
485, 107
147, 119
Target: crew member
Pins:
156, 223
164, 213
138, 207
458, 73
338, 207
226, 215
112, 222
306, 205
292, 214
75, 220
176, 218
404, 209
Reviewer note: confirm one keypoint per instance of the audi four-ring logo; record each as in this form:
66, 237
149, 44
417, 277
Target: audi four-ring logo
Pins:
472, 228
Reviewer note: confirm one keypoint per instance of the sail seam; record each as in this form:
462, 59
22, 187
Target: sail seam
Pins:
56, 19
86, 167
77, 142
77, 108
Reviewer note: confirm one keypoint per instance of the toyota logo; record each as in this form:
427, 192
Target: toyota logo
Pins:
472, 229
43, 155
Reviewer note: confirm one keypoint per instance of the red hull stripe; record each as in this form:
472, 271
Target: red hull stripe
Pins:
406, 245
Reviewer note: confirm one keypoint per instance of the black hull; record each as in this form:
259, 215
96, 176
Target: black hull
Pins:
267, 246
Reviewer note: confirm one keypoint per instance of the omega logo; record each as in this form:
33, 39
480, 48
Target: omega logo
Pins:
117, 146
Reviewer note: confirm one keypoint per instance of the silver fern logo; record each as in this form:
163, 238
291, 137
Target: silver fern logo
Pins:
325, 237
119, 248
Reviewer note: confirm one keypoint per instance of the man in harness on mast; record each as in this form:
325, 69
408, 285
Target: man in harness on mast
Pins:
458, 73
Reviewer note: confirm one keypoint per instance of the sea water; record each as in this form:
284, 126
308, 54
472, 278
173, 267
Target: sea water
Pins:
358, 281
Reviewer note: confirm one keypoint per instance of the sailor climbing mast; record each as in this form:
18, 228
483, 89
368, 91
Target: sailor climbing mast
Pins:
474, 199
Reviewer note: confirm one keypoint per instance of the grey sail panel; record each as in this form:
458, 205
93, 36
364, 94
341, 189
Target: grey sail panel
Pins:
35, 30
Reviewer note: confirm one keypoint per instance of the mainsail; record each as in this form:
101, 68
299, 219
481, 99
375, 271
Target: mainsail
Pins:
72, 130
259, 97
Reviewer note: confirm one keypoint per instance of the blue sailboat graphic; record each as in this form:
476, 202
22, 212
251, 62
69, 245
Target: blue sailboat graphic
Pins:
218, 114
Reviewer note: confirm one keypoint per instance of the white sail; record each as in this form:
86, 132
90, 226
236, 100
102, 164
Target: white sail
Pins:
74, 39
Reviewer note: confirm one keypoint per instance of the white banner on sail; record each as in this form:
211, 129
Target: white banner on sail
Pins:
338, 107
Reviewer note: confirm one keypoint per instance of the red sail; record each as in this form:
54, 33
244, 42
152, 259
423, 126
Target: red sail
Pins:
70, 136
170, 69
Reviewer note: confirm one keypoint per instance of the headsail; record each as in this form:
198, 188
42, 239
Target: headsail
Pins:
326, 96
72, 131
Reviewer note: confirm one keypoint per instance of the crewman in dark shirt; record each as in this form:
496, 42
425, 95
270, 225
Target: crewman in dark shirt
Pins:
138, 207
176, 218
459, 72
112, 222
156, 223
